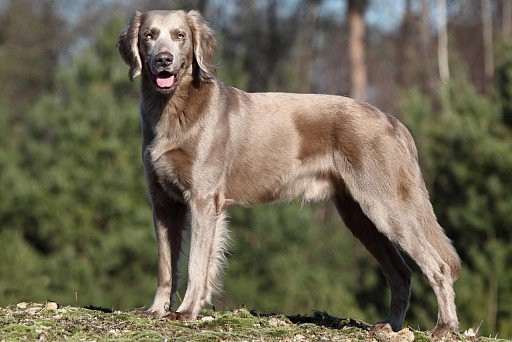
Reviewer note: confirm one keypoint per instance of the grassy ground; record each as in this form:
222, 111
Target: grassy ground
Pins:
48, 322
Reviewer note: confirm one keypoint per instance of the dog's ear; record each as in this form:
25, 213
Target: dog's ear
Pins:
128, 46
204, 45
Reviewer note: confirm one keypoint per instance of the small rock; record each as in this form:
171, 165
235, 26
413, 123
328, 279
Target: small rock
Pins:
469, 333
207, 319
114, 332
406, 335
299, 337
22, 305
276, 322
33, 311
51, 306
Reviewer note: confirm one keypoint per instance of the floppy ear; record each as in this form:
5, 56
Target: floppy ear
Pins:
204, 44
128, 45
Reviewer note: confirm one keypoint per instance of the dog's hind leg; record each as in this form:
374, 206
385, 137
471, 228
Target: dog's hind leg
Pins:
411, 224
169, 218
207, 254
396, 271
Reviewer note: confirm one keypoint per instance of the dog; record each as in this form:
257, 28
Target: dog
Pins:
207, 146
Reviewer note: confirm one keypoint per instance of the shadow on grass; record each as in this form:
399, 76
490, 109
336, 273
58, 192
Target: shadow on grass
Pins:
98, 308
321, 319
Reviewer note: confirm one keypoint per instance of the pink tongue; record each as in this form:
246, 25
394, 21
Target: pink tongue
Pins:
165, 82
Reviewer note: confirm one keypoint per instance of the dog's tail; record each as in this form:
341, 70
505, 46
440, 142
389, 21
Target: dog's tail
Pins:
443, 245
434, 232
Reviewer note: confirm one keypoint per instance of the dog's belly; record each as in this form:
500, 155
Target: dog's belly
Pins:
251, 189
308, 188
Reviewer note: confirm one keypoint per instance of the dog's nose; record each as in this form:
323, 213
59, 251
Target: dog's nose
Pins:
164, 59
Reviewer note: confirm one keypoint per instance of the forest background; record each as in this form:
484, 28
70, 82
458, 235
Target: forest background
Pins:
75, 223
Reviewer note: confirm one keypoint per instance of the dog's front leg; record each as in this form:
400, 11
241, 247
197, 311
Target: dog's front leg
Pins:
208, 242
169, 218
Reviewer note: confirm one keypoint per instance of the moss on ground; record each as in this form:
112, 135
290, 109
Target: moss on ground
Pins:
47, 322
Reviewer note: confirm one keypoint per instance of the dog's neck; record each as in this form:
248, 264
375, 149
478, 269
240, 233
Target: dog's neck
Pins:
174, 113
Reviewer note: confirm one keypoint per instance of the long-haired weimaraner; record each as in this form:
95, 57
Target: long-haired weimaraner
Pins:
207, 146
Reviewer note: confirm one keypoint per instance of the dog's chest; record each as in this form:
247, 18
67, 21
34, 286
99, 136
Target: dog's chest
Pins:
172, 165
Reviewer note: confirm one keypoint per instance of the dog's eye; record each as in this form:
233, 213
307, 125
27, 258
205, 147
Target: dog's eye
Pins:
148, 35
181, 35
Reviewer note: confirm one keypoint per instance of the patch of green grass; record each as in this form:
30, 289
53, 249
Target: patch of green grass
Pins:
31, 321
421, 337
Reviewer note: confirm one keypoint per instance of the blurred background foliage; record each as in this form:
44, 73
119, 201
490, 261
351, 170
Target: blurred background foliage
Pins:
75, 224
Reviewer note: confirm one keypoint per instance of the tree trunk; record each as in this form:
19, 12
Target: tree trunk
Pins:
425, 31
506, 20
308, 44
356, 47
488, 44
202, 5
428, 73
442, 47
405, 48
274, 41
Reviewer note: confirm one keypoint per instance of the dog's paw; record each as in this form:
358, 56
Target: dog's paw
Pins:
381, 326
158, 309
156, 312
179, 316
444, 332
171, 315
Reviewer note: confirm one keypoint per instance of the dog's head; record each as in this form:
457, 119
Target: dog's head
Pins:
166, 45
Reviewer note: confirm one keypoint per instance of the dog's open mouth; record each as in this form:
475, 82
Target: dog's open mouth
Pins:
165, 79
